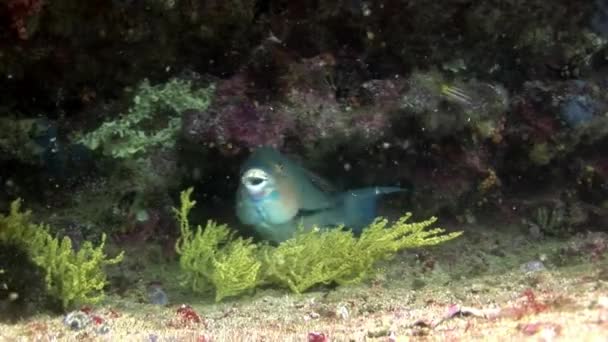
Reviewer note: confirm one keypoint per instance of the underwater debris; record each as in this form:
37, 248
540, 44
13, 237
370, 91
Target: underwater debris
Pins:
548, 331
532, 266
456, 94
86, 318
602, 306
578, 110
185, 317
187, 313
342, 312
590, 246
546, 220
156, 294
77, 320
317, 337
457, 310
527, 305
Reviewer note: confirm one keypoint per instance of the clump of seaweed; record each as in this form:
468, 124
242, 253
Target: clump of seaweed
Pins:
213, 258
129, 136
550, 221
73, 277
323, 257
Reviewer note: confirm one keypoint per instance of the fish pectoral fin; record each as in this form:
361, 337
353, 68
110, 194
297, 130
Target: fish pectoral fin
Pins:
321, 218
312, 212
358, 207
277, 233
320, 182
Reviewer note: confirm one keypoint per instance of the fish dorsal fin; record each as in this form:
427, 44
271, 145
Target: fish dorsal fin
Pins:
320, 182
310, 191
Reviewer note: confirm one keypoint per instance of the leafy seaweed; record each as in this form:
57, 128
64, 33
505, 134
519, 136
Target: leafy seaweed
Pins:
74, 277
214, 259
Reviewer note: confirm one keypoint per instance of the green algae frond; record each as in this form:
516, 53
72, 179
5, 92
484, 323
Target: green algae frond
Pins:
16, 228
74, 277
327, 256
310, 258
139, 130
214, 259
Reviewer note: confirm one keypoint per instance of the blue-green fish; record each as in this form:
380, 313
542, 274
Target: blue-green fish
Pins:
276, 195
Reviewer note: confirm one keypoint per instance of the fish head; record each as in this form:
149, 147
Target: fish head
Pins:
274, 191
266, 195
258, 184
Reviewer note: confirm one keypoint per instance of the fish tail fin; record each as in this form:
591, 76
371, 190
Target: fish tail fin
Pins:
359, 206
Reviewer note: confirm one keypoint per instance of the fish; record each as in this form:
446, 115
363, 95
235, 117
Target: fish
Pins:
276, 196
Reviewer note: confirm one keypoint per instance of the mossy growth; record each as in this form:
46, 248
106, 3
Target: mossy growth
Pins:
151, 122
336, 255
17, 139
73, 277
213, 258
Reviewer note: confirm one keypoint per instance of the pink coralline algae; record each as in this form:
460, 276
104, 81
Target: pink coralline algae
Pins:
252, 125
20, 12
317, 337
241, 124
186, 317
320, 116
235, 120
304, 109
385, 93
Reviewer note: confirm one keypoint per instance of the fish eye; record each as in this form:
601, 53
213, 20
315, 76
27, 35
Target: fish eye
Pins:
255, 180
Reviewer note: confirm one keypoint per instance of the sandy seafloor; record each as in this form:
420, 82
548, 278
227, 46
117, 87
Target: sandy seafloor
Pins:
486, 285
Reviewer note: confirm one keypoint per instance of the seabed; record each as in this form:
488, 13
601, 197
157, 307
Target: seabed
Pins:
492, 284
